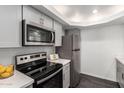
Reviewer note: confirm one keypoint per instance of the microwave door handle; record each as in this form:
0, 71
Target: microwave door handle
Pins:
24, 32
52, 37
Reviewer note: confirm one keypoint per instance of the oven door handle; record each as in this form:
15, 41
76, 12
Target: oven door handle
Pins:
44, 79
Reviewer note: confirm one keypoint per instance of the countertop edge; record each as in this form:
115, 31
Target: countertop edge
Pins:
28, 84
15, 79
60, 59
120, 59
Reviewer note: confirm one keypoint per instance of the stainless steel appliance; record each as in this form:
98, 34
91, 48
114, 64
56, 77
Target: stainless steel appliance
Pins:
45, 74
70, 49
35, 34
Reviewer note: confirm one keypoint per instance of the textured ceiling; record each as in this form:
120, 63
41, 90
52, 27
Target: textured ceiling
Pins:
84, 13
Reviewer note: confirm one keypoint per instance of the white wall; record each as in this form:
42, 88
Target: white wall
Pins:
99, 47
7, 56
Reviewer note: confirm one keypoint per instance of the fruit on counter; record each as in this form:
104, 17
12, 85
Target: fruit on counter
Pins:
1, 65
2, 69
9, 68
6, 71
10, 65
5, 75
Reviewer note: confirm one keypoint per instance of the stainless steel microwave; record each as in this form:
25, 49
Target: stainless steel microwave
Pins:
35, 34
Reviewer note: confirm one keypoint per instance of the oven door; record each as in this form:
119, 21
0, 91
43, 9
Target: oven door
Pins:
54, 80
33, 34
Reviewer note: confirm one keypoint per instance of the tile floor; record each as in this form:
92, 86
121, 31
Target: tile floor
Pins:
87, 81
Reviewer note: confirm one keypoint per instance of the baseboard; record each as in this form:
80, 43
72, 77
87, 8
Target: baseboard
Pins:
100, 79
97, 76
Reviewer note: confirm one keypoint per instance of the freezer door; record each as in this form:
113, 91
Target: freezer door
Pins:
76, 42
66, 49
75, 69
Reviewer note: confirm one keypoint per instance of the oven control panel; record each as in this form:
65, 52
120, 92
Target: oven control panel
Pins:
30, 57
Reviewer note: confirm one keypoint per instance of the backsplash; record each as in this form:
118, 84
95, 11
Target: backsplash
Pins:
7, 55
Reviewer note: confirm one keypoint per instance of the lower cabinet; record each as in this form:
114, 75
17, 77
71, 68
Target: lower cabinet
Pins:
120, 74
66, 75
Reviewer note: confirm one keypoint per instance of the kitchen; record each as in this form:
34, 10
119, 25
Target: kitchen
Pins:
53, 46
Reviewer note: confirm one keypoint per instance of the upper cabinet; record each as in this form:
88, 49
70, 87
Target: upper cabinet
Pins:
58, 33
48, 22
30, 13
10, 26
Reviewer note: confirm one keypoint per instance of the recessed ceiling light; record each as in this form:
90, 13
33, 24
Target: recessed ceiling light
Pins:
95, 11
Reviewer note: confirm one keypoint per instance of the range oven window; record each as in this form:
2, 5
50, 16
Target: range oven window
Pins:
35, 34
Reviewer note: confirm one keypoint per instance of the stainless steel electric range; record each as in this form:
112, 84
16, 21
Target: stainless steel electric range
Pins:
44, 73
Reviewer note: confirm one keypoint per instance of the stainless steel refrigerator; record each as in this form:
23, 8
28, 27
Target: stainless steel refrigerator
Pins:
70, 49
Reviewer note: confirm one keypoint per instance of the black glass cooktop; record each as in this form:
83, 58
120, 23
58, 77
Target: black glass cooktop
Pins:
34, 68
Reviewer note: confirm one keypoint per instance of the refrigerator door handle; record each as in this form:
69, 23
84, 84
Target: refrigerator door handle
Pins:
76, 50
